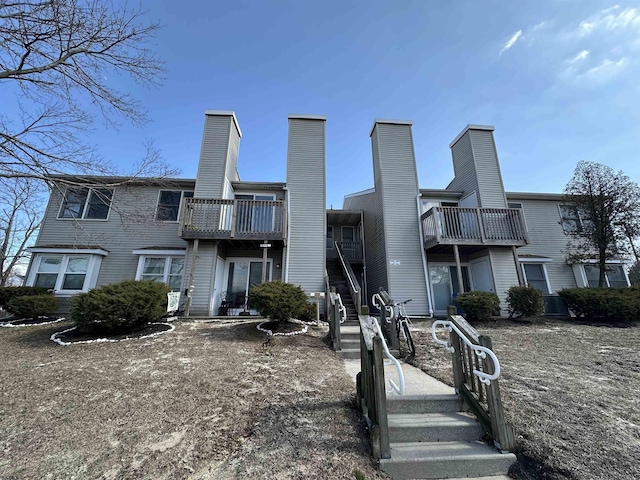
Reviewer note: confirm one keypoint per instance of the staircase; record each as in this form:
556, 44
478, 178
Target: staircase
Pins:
350, 329
431, 436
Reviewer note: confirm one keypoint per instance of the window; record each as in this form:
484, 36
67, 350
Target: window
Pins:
255, 215
86, 204
169, 202
574, 219
614, 276
348, 237
329, 236
164, 269
448, 204
64, 273
514, 205
535, 275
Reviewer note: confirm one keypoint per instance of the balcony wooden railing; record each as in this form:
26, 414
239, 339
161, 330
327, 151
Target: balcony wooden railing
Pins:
214, 218
473, 226
352, 251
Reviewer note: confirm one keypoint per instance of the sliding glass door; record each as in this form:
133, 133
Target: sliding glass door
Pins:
244, 274
444, 284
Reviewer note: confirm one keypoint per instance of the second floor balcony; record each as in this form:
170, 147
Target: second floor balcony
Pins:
473, 226
219, 219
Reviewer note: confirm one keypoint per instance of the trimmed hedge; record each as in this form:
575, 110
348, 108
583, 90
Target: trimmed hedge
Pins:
9, 293
525, 301
604, 304
478, 305
278, 300
32, 306
120, 307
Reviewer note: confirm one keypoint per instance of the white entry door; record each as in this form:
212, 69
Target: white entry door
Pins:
481, 275
218, 287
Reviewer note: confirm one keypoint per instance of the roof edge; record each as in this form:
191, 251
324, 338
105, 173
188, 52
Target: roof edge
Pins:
390, 122
471, 126
225, 113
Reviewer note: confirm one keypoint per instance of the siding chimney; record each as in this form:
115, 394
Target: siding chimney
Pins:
306, 186
476, 168
218, 155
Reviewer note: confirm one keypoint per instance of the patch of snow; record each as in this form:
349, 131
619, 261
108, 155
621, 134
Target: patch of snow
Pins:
54, 337
10, 323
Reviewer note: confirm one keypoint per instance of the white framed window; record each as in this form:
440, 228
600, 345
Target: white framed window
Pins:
574, 219
167, 269
348, 236
449, 204
614, 276
65, 274
86, 204
535, 275
169, 204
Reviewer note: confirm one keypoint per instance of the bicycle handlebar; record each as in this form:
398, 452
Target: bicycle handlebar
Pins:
404, 302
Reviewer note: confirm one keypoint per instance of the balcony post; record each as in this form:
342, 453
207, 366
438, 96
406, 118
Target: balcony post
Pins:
456, 254
514, 251
234, 209
481, 224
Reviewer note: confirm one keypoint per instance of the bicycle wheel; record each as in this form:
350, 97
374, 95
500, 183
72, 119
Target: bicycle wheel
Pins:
409, 339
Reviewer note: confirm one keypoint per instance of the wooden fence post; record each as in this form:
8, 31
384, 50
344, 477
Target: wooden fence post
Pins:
380, 399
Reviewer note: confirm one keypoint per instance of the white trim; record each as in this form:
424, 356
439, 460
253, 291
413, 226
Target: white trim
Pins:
467, 265
70, 251
229, 260
225, 113
389, 122
589, 261
86, 204
160, 251
91, 274
489, 128
535, 259
353, 238
362, 192
167, 267
544, 272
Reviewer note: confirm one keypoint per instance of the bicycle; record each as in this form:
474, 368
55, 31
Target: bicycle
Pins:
402, 326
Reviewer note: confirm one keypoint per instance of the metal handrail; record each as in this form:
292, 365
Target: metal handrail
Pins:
479, 350
344, 265
342, 309
377, 301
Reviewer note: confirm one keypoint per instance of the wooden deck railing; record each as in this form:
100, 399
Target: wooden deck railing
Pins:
370, 387
233, 218
482, 397
473, 226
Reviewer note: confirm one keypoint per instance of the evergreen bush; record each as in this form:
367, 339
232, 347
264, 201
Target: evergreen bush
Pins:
9, 293
604, 304
120, 307
478, 305
525, 302
33, 306
278, 301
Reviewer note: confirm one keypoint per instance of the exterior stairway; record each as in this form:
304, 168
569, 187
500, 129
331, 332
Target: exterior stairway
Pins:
350, 329
430, 436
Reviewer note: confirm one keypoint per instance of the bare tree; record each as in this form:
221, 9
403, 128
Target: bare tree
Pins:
58, 59
608, 205
21, 208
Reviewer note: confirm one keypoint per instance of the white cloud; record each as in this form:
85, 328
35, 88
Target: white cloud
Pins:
511, 42
607, 67
539, 26
580, 56
611, 19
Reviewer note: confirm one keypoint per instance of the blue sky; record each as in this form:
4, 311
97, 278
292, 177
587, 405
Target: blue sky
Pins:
558, 79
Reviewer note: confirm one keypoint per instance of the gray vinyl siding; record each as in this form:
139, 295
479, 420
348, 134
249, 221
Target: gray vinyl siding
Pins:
504, 274
490, 187
203, 278
213, 156
464, 168
232, 154
374, 241
399, 188
547, 239
307, 214
130, 226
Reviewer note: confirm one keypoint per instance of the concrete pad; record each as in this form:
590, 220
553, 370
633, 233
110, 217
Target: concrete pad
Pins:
416, 381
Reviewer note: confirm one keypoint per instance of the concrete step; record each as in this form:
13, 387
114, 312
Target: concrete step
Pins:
422, 460
351, 353
349, 343
436, 403
433, 427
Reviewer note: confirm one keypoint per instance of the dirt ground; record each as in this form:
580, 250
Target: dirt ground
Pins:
206, 401
571, 391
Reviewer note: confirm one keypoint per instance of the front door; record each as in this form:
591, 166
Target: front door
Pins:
481, 275
444, 285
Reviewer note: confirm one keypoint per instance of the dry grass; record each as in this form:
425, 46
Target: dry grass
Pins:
205, 401
571, 391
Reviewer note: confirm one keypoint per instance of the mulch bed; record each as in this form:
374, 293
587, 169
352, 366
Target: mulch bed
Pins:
76, 336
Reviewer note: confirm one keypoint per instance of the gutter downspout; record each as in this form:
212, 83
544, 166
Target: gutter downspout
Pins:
288, 239
424, 257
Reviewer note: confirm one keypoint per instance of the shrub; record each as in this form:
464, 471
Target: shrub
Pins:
308, 313
478, 305
616, 304
32, 306
525, 301
8, 293
120, 307
278, 300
